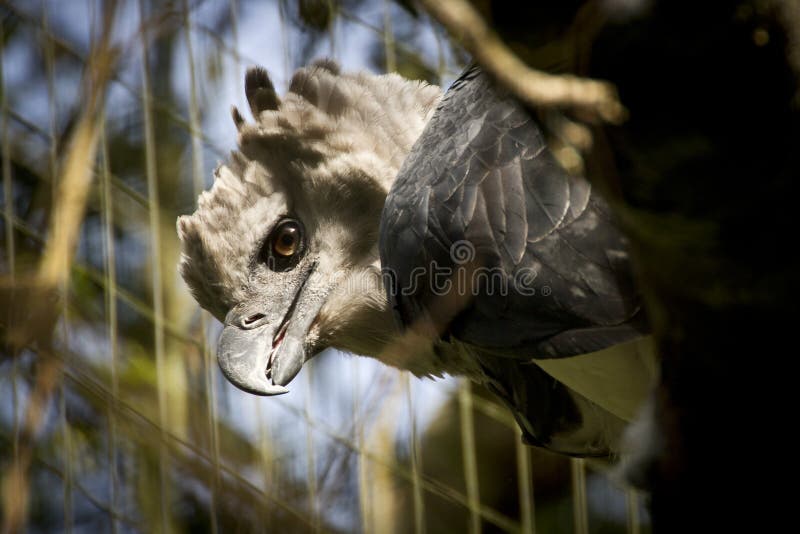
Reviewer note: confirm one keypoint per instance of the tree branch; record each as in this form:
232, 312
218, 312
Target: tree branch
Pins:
536, 88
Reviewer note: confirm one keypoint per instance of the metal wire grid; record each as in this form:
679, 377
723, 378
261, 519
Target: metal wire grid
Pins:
99, 383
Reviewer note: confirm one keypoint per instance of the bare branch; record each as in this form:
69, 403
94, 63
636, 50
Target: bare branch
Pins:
536, 88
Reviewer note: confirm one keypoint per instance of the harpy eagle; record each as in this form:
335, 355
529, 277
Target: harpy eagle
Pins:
437, 234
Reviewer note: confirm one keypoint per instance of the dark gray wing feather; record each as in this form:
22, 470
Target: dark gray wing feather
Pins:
556, 277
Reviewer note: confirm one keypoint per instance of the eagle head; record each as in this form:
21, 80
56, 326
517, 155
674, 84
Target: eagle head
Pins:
283, 248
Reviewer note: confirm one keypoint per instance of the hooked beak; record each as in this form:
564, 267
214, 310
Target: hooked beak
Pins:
261, 355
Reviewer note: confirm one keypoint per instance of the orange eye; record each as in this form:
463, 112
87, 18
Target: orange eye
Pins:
286, 240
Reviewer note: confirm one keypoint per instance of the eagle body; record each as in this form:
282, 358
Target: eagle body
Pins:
437, 234
544, 272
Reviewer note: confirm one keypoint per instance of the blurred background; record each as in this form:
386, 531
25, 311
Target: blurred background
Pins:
114, 416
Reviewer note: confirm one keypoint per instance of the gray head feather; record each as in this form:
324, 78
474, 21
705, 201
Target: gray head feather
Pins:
326, 153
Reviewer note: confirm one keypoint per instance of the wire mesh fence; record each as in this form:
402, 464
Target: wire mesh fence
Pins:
113, 414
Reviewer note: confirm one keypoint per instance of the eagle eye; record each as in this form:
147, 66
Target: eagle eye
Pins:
283, 246
286, 239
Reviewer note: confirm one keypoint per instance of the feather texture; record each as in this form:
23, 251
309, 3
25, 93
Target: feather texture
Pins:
545, 271
480, 176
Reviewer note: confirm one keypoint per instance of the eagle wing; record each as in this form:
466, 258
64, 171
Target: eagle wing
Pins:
532, 254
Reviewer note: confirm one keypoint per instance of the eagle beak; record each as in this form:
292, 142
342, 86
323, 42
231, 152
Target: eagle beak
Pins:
262, 353
243, 355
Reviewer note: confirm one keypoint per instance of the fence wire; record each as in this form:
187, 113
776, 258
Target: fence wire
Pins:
142, 433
